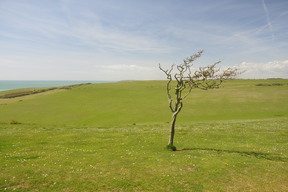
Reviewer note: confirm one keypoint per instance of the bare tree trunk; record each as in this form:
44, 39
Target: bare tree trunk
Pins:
178, 107
172, 128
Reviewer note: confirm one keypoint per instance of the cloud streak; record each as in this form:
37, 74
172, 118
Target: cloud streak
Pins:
269, 23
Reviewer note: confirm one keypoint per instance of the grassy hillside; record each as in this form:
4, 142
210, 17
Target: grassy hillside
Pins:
112, 137
142, 102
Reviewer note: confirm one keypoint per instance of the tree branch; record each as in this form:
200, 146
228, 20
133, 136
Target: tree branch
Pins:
209, 77
168, 87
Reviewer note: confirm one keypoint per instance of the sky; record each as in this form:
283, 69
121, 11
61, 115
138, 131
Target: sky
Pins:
115, 40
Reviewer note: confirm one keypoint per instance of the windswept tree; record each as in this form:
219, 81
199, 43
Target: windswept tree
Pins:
181, 80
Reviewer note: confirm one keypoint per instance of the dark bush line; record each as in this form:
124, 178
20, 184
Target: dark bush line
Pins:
267, 84
32, 92
14, 122
24, 93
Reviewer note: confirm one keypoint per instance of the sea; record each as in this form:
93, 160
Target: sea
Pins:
6, 85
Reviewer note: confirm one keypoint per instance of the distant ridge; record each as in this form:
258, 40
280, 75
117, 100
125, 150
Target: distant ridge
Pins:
6, 85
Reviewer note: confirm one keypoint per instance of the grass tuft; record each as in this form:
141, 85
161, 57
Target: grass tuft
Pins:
171, 148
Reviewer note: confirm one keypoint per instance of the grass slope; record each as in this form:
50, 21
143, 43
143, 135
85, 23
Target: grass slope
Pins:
85, 139
143, 102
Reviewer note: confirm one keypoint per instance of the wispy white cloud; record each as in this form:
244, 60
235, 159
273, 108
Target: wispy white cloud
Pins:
78, 67
84, 28
262, 70
130, 67
131, 72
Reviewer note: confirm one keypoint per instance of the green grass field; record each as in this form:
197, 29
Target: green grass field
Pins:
112, 137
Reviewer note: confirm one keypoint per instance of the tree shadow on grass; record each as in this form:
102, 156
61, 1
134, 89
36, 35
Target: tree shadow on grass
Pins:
259, 155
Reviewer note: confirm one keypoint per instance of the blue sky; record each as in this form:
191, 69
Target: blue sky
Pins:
127, 39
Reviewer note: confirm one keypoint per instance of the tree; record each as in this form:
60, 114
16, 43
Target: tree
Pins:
181, 78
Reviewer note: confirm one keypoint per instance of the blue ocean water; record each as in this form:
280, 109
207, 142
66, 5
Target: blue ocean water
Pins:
9, 85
